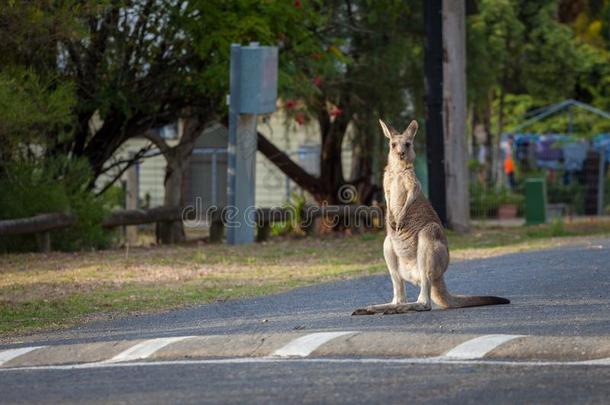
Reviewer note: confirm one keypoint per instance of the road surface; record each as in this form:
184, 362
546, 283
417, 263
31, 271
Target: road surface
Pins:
550, 345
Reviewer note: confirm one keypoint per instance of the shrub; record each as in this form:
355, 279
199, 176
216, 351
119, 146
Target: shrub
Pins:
572, 194
53, 185
484, 202
292, 225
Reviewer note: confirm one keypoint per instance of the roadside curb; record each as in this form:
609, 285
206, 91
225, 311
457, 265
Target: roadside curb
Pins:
329, 344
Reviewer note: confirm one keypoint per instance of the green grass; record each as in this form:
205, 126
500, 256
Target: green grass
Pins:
44, 291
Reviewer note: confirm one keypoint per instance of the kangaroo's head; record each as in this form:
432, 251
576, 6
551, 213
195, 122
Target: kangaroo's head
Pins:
402, 152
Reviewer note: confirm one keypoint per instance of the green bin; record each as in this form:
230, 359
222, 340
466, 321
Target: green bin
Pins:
535, 201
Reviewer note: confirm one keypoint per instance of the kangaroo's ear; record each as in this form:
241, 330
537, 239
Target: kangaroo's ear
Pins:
411, 129
386, 130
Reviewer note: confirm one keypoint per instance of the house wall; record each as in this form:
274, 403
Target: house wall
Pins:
273, 188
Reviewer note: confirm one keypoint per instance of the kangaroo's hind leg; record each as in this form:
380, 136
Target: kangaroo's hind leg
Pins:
432, 261
398, 284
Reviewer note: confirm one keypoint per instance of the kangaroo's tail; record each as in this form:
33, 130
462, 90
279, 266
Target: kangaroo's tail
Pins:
444, 299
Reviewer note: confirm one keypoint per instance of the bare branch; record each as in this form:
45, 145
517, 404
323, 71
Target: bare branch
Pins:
139, 155
153, 136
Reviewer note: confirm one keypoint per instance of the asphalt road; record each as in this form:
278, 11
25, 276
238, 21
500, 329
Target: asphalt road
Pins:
302, 382
554, 292
562, 292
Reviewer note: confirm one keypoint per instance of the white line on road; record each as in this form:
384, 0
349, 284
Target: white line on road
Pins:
478, 347
278, 360
8, 355
305, 345
145, 349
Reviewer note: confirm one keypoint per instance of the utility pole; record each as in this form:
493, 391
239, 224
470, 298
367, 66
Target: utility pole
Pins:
253, 86
435, 142
455, 115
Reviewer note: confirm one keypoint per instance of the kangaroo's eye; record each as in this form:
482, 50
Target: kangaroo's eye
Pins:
408, 144
393, 144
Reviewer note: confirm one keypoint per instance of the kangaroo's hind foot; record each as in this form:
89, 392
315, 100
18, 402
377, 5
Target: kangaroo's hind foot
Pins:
391, 309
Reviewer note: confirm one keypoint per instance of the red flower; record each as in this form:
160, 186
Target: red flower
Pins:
290, 104
335, 112
317, 81
299, 118
297, 3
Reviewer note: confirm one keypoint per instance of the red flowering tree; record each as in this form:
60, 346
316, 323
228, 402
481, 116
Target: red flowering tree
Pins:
368, 65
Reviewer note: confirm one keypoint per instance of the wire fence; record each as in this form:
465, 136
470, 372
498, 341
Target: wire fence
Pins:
575, 172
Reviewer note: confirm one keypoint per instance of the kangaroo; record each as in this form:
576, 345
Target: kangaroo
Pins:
415, 247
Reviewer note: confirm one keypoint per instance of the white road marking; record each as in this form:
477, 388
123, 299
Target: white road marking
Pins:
305, 345
145, 349
478, 347
604, 362
278, 360
8, 355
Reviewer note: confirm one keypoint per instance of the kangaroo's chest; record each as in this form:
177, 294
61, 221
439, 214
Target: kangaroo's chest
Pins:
398, 195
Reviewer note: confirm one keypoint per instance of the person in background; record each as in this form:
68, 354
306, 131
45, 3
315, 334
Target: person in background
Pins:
509, 163
482, 159
480, 135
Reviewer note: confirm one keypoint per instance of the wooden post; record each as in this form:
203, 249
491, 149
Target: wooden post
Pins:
455, 115
217, 227
44, 241
131, 203
263, 231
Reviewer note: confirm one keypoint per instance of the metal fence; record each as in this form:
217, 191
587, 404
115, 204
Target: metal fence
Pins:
206, 178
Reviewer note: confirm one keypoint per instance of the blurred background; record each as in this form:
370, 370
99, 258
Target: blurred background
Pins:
110, 105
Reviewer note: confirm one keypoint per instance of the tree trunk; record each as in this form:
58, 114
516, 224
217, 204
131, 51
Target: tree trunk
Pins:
454, 107
473, 124
178, 159
362, 167
175, 173
331, 168
105, 142
290, 168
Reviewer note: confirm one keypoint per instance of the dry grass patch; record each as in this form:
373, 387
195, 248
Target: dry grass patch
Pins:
62, 289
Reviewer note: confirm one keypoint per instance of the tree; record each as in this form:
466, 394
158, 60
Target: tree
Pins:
519, 49
376, 71
30, 107
137, 65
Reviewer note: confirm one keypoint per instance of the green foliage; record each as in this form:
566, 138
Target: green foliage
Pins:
550, 55
49, 186
296, 206
30, 108
213, 25
572, 194
494, 35
523, 55
484, 201
556, 228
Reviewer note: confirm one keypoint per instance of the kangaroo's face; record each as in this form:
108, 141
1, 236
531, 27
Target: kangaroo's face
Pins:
401, 145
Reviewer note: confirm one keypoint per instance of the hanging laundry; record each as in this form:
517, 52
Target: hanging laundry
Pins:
574, 155
548, 155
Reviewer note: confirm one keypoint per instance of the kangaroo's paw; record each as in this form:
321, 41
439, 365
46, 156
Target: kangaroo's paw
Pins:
363, 311
408, 307
373, 309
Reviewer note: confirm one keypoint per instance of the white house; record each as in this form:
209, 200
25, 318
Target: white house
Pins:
207, 175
